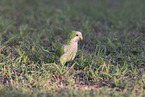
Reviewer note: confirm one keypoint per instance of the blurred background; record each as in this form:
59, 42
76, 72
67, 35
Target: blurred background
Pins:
55, 19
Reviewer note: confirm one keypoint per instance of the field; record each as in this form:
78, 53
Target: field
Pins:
110, 60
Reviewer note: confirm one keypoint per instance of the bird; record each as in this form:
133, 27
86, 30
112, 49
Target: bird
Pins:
67, 51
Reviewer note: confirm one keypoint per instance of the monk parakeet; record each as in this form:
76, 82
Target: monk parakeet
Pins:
67, 51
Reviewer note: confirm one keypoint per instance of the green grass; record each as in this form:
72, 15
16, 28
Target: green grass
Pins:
110, 60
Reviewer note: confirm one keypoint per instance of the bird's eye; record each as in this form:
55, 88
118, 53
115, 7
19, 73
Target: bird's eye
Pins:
77, 35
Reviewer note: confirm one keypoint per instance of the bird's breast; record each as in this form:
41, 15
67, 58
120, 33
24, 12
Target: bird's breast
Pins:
71, 47
70, 51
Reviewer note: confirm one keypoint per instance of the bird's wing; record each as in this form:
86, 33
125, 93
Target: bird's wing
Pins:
60, 51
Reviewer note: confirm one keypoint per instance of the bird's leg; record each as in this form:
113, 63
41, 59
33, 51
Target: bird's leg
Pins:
62, 64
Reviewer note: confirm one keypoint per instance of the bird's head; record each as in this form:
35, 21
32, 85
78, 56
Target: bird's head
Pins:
75, 36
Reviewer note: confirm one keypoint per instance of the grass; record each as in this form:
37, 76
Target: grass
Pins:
110, 60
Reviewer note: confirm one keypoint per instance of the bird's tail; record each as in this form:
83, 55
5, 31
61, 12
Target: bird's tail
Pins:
47, 50
51, 51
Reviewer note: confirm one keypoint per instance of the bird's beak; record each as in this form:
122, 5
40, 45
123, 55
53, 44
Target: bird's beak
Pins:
81, 38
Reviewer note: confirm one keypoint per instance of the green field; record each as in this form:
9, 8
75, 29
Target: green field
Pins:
110, 60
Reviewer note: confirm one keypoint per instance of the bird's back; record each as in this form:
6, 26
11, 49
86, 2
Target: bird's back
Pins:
60, 51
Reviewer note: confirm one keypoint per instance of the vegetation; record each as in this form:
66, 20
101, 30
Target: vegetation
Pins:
110, 60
